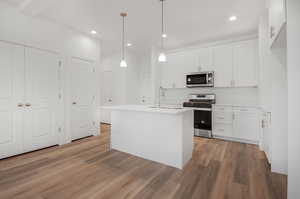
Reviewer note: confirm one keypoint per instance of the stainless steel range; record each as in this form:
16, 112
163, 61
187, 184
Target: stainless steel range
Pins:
202, 105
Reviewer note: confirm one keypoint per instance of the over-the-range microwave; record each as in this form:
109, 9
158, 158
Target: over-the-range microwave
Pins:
200, 79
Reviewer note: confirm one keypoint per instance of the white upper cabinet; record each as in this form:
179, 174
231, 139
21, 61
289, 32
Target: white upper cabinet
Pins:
223, 64
175, 69
205, 57
277, 18
234, 65
245, 62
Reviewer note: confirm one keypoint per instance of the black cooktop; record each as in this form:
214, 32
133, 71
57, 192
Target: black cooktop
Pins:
197, 104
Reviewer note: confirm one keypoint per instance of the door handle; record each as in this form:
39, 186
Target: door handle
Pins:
27, 104
20, 105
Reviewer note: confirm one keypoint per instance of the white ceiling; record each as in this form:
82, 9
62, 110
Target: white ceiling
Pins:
187, 21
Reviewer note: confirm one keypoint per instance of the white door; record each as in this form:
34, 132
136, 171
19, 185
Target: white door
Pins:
41, 99
82, 83
246, 125
107, 97
11, 99
245, 56
223, 64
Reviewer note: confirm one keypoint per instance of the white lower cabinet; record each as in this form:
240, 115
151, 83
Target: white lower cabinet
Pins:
29, 88
237, 123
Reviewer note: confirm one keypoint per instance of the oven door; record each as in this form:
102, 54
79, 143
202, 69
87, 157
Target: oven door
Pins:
196, 80
203, 123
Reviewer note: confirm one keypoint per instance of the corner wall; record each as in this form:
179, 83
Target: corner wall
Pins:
293, 59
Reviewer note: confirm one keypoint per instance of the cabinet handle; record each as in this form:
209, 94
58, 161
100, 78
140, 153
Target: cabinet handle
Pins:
27, 105
221, 129
244, 110
74, 103
20, 105
222, 118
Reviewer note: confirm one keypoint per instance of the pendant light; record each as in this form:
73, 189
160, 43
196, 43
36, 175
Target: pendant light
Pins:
123, 63
162, 56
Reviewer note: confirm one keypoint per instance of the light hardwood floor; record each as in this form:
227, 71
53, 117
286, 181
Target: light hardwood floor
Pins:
89, 169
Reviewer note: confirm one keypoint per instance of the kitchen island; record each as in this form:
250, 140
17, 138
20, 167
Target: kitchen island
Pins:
164, 135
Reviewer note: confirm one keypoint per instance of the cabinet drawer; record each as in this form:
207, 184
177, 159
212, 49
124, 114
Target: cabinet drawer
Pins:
222, 116
222, 108
223, 130
245, 109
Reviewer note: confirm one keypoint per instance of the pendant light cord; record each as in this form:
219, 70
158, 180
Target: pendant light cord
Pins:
123, 39
162, 24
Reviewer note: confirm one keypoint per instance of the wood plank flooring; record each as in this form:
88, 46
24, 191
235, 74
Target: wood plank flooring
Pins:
88, 168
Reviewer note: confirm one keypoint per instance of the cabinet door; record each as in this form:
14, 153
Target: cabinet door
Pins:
82, 83
223, 65
42, 99
245, 63
175, 69
205, 56
11, 98
246, 125
277, 17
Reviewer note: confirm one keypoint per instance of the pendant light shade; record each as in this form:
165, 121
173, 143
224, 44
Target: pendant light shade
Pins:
162, 56
123, 63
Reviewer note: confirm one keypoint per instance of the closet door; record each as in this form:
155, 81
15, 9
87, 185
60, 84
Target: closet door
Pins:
82, 98
11, 99
41, 105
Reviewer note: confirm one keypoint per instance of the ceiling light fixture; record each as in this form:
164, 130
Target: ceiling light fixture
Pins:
162, 56
129, 44
232, 18
93, 32
123, 63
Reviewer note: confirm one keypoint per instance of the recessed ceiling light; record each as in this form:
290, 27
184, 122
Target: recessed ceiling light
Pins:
232, 18
129, 44
93, 32
164, 35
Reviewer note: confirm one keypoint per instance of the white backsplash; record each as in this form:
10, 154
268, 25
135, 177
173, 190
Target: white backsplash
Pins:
234, 96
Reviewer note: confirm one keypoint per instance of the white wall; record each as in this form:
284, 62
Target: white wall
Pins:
230, 96
43, 34
126, 81
40, 33
293, 59
273, 93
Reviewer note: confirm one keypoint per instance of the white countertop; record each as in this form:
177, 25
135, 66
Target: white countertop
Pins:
149, 108
239, 105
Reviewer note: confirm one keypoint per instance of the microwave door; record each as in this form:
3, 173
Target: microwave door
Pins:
196, 80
